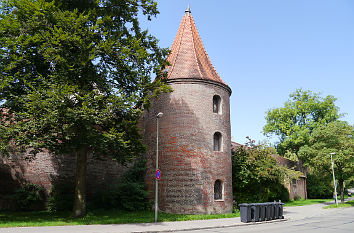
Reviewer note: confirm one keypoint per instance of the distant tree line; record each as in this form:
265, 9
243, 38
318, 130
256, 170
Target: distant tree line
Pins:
309, 130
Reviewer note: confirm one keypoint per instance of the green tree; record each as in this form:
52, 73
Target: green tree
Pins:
256, 175
319, 184
294, 123
73, 77
335, 137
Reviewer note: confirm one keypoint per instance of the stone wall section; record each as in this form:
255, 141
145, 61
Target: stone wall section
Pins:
45, 169
297, 189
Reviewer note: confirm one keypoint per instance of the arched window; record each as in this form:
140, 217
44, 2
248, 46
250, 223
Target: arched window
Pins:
217, 141
218, 190
216, 104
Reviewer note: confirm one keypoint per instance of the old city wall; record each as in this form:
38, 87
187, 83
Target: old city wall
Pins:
46, 169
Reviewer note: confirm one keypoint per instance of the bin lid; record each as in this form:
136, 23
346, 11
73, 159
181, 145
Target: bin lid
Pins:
244, 204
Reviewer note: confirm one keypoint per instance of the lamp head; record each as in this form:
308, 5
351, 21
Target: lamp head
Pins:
333, 153
160, 114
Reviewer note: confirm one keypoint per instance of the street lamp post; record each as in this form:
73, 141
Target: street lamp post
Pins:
159, 115
334, 179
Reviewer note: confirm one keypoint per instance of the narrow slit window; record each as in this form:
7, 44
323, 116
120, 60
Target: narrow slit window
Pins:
216, 104
218, 190
217, 141
294, 182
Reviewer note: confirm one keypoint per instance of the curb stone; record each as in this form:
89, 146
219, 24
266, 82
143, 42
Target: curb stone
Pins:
213, 227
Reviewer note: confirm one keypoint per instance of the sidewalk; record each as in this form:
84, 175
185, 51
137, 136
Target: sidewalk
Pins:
138, 227
290, 213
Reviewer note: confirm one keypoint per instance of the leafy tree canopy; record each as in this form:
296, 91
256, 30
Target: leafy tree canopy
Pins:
74, 74
295, 122
335, 137
256, 175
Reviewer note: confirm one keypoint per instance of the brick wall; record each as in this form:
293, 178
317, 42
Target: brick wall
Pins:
44, 169
297, 189
188, 164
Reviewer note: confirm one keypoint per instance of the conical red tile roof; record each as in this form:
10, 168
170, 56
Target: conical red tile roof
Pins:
188, 57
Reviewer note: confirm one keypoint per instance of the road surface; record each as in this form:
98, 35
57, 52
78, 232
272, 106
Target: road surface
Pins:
339, 220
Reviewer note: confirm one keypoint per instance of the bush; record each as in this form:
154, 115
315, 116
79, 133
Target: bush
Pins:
29, 197
256, 176
124, 196
7, 203
319, 186
61, 196
279, 192
129, 194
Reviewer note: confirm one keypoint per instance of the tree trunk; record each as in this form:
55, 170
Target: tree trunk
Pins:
79, 209
341, 190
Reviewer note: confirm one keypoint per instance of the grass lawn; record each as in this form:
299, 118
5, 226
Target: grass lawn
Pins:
346, 204
307, 202
44, 218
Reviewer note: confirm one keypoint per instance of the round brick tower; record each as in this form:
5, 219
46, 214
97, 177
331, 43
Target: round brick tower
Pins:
194, 132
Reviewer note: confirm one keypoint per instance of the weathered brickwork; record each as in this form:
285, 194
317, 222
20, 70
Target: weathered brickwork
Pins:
188, 164
297, 188
45, 169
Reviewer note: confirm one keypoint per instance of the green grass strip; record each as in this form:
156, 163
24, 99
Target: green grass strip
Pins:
44, 218
303, 202
340, 205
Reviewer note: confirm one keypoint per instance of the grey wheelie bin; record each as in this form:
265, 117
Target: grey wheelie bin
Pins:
276, 210
256, 212
245, 212
262, 212
281, 205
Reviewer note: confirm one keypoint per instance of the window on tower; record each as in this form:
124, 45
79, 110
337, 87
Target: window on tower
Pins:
218, 190
217, 141
216, 104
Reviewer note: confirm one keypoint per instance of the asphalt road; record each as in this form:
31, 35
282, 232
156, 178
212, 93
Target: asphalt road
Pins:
338, 221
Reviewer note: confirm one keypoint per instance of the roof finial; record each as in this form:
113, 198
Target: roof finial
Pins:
188, 10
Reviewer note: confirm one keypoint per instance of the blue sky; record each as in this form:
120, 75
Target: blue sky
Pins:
264, 50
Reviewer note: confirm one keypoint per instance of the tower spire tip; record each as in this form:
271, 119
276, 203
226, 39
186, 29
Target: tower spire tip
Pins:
188, 10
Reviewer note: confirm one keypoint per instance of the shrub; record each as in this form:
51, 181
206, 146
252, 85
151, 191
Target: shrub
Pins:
61, 196
256, 176
319, 186
7, 203
29, 197
128, 194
